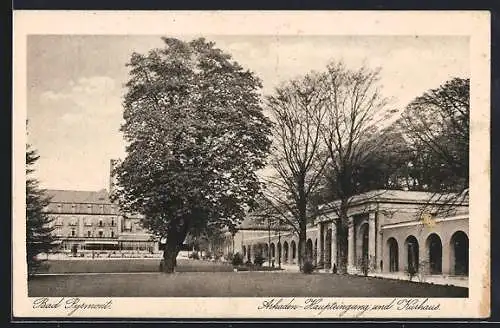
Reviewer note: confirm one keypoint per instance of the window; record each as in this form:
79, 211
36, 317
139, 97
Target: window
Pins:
89, 208
100, 233
89, 234
73, 232
112, 222
112, 234
59, 221
100, 222
128, 225
73, 221
73, 208
88, 221
59, 208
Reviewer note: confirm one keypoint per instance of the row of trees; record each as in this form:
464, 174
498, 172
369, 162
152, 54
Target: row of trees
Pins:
334, 137
197, 134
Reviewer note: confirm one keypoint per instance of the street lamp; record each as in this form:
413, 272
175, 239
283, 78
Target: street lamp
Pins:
281, 248
269, 243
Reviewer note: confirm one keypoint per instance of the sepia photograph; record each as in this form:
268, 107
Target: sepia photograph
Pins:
251, 173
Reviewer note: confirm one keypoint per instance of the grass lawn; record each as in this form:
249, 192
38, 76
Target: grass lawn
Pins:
129, 265
231, 284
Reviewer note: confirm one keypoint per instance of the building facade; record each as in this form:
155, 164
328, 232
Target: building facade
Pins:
86, 222
388, 232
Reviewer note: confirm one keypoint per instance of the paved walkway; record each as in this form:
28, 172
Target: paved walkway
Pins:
458, 281
285, 267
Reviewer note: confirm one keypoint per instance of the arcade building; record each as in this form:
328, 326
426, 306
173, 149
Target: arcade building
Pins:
388, 232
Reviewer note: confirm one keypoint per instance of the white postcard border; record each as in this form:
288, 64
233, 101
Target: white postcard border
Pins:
475, 24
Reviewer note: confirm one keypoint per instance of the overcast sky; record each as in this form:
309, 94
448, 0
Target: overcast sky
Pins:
75, 86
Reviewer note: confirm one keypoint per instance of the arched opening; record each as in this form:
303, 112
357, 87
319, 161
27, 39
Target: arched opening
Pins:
309, 249
435, 253
392, 245
273, 251
328, 249
244, 251
294, 250
411, 248
249, 252
266, 251
285, 251
459, 252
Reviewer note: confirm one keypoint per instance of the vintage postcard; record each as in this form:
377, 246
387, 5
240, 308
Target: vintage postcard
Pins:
251, 164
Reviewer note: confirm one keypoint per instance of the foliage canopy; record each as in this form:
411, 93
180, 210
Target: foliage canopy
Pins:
196, 137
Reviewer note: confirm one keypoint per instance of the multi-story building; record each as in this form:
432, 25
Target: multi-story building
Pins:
86, 221
388, 232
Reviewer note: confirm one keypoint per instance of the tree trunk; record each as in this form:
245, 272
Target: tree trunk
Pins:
169, 257
302, 227
175, 238
302, 246
342, 247
342, 238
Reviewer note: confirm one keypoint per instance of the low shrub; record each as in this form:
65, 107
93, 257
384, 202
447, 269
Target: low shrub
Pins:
237, 259
364, 270
162, 265
194, 256
308, 267
363, 266
248, 263
258, 260
411, 271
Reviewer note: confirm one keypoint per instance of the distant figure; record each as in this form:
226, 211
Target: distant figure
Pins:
74, 250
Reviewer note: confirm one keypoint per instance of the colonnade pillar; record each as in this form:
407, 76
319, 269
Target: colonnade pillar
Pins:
334, 245
372, 260
351, 247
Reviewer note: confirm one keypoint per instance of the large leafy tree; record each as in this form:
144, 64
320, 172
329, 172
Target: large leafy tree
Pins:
39, 238
196, 136
436, 128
